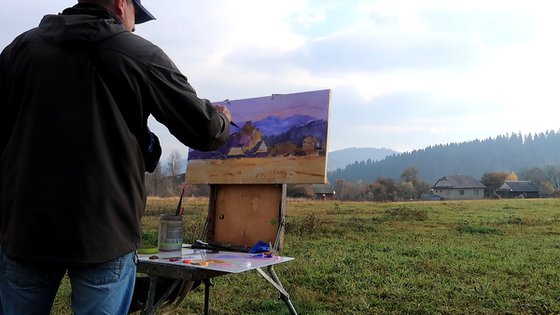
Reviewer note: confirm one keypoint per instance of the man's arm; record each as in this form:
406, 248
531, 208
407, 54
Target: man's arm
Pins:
192, 120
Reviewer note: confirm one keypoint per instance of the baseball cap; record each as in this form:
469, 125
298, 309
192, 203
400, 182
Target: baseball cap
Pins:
142, 15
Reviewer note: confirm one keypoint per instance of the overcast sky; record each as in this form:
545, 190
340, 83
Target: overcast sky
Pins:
404, 74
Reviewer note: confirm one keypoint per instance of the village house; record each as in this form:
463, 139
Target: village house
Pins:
518, 189
323, 191
458, 187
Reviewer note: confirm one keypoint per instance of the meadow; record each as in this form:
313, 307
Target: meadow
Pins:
438, 257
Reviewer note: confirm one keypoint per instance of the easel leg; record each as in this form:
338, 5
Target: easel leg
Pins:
207, 284
286, 297
273, 279
149, 306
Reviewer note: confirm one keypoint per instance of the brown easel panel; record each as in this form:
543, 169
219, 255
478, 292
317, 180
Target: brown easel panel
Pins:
284, 169
244, 214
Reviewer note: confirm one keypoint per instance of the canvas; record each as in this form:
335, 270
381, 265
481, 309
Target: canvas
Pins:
280, 139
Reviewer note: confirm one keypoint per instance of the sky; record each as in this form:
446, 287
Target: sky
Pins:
403, 74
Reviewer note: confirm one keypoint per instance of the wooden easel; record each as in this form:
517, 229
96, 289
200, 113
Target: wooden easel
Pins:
240, 215
248, 178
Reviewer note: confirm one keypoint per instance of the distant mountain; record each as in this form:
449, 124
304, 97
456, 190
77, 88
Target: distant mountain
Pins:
344, 157
508, 153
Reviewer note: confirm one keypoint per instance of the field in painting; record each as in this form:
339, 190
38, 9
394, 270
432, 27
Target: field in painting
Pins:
450, 257
295, 169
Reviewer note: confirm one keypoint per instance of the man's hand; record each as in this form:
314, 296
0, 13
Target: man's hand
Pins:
224, 110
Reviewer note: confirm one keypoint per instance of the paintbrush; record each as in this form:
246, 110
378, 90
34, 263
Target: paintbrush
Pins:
231, 122
179, 210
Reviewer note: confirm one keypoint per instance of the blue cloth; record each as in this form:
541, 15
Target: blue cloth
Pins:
260, 247
103, 288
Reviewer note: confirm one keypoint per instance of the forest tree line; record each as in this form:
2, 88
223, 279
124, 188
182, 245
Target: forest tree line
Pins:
513, 153
406, 176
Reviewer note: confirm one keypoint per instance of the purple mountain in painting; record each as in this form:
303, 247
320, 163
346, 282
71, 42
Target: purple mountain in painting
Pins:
274, 125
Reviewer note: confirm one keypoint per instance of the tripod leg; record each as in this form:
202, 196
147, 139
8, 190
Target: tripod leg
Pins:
207, 284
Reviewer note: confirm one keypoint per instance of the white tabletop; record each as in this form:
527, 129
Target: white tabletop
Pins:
224, 261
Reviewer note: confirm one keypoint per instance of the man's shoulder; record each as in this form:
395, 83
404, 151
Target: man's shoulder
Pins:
134, 46
20, 40
127, 41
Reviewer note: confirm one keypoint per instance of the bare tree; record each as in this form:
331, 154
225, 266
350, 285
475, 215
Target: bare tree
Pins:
174, 163
536, 175
339, 184
553, 172
154, 181
174, 170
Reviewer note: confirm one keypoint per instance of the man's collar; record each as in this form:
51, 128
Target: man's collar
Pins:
91, 9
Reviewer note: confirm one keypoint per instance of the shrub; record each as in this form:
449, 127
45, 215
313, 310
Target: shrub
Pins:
462, 228
305, 226
403, 213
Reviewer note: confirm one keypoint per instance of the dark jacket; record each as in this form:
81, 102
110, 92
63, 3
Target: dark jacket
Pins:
75, 96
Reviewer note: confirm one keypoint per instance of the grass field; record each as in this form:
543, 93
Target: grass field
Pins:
445, 257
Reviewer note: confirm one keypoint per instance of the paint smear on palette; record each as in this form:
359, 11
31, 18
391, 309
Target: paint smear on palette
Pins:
226, 257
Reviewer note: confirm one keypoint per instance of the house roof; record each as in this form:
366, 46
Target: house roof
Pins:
322, 189
458, 182
520, 186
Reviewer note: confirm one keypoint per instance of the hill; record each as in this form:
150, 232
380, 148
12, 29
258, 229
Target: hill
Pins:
509, 153
342, 158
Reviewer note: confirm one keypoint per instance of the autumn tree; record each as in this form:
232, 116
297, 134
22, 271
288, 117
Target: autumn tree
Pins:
410, 174
417, 186
351, 191
406, 191
383, 189
309, 145
495, 180
284, 149
250, 137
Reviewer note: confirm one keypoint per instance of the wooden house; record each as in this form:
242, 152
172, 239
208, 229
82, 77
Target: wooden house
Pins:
518, 189
458, 187
323, 191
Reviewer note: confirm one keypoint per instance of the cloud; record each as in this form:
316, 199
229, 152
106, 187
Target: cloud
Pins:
403, 73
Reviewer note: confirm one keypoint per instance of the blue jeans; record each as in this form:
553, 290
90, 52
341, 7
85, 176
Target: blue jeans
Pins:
30, 288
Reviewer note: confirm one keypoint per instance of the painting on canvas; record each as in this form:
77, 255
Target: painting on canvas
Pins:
280, 138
